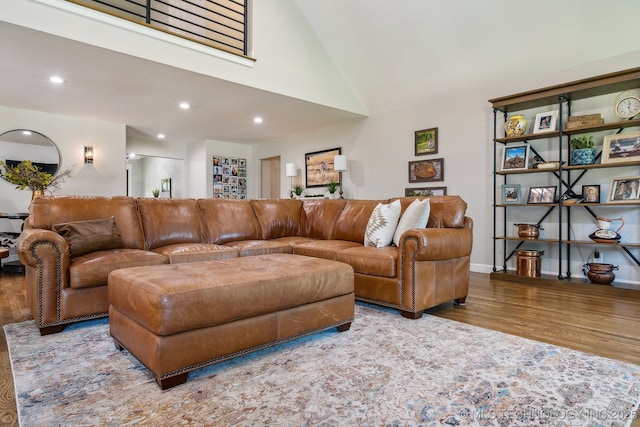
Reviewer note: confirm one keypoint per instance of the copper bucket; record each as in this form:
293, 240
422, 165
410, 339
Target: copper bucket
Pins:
529, 262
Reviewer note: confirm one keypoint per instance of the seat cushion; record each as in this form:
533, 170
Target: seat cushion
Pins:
326, 249
194, 252
93, 268
260, 247
371, 260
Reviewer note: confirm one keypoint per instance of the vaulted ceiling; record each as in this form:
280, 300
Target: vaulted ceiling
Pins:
392, 54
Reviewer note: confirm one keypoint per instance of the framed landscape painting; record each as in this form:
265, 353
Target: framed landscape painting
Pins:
318, 168
515, 157
426, 141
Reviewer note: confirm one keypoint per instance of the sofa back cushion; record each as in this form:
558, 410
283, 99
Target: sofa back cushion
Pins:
352, 222
446, 211
46, 211
227, 220
278, 217
170, 221
320, 217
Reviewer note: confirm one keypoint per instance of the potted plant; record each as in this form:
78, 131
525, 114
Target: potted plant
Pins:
27, 175
582, 151
155, 192
332, 186
298, 189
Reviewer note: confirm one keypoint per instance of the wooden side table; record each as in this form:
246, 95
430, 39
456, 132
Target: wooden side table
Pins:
11, 266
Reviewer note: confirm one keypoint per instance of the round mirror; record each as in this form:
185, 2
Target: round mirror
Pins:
19, 145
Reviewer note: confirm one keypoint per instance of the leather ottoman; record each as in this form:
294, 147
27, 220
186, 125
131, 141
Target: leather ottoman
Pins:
176, 318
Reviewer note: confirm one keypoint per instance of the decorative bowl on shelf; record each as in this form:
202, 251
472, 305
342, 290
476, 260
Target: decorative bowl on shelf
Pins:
547, 165
528, 231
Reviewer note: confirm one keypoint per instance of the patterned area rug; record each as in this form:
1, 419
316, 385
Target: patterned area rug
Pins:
384, 371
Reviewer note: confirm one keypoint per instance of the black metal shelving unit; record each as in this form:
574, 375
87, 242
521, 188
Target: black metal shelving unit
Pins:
558, 97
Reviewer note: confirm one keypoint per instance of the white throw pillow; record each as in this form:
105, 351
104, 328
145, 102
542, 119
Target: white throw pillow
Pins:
382, 224
416, 216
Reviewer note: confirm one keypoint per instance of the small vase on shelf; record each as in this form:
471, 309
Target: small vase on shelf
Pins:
515, 126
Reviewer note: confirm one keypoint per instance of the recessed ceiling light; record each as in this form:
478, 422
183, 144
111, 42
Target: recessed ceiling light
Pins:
161, 136
56, 79
26, 132
185, 105
258, 120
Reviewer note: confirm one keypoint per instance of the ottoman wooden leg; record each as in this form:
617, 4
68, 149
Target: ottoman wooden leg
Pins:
173, 381
344, 327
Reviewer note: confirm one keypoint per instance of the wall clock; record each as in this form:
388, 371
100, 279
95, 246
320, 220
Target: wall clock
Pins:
627, 104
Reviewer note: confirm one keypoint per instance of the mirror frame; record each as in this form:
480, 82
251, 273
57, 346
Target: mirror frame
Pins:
46, 167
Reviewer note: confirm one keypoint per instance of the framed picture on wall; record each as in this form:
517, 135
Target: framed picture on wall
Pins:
426, 142
425, 191
426, 170
165, 188
318, 168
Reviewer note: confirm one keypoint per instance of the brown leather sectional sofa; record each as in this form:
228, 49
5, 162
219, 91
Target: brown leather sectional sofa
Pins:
430, 266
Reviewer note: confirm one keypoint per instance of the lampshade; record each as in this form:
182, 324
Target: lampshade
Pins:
340, 163
291, 170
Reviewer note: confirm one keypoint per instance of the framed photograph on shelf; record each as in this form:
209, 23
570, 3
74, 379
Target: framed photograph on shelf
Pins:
318, 168
515, 157
621, 148
591, 194
542, 195
545, 122
511, 194
624, 190
426, 170
426, 142
425, 191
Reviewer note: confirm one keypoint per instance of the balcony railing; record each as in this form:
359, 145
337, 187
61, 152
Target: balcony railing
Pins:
221, 24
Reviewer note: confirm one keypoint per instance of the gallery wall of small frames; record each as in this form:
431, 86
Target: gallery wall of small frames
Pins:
229, 177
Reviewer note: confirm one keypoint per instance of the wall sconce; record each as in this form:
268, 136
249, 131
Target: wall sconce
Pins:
291, 171
88, 155
340, 165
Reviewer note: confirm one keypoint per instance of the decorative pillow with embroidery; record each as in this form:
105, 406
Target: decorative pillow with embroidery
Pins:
415, 216
88, 236
382, 224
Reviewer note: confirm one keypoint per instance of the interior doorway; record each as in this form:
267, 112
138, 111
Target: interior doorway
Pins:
270, 178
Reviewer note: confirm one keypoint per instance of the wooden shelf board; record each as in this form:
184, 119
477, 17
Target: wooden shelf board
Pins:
511, 276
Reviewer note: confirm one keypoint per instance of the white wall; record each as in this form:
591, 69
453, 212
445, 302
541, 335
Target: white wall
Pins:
106, 176
379, 148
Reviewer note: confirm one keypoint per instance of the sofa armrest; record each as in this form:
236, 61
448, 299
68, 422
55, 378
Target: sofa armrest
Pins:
46, 257
31, 239
434, 266
436, 244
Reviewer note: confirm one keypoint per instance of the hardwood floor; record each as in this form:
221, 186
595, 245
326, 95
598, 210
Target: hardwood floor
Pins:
596, 319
